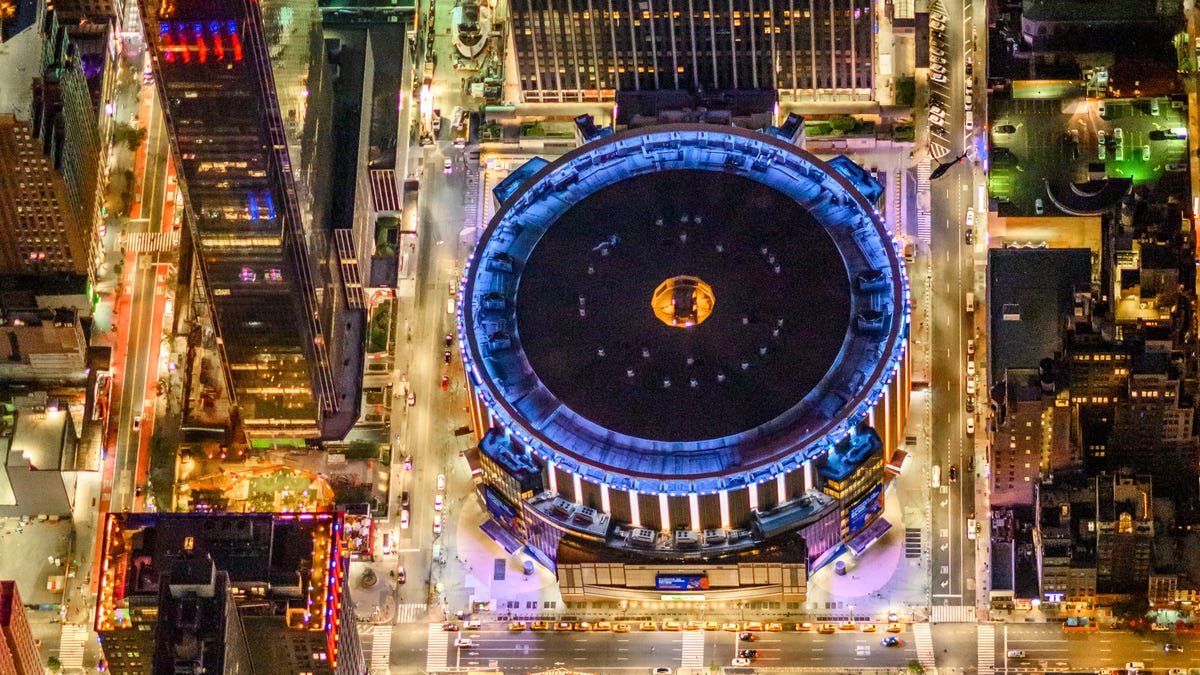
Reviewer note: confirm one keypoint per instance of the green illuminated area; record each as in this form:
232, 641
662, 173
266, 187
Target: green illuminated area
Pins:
1035, 142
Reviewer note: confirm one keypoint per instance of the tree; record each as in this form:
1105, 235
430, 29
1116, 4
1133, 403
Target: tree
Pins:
1131, 609
906, 91
54, 664
7, 9
915, 667
843, 123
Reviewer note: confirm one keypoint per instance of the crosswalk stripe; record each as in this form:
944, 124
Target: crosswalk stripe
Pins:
151, 242
986, 649
439, 648
953, 614
693, 650
923, 638
410, 612
381, 649
924, 218
71, 641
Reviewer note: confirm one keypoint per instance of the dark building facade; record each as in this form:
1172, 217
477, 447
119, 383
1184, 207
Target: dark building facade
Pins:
274, 291
586, 50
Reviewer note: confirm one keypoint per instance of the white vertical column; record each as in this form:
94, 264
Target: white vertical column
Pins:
635, 511
605, 505
578, 485
664, 512
723, 500
694, 505
808, 478
753, 490
553, 476
781, 488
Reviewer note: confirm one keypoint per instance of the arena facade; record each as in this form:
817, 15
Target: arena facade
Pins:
683, 343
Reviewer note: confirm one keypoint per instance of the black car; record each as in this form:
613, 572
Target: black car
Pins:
953, 473
970, 236
747, 637
748, 653
1005, 129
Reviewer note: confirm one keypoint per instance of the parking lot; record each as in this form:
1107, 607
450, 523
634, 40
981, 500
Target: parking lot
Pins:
1040, 141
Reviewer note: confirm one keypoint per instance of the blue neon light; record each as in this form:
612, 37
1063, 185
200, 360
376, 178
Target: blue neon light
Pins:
253, 207
270, 206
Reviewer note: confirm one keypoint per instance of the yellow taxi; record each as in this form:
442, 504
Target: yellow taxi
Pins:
774, 627
894, 628
602, 625
563, 625
539, 625
693, 625
754, 625
672, 625
847, 625
648, 625
827, 628
806, 626
712, 625
516, 626
868, 628
620, 628
583, 625
731, 627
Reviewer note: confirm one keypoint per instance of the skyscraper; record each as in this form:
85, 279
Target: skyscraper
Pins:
586, 50
273, 304
39, 233
18, 652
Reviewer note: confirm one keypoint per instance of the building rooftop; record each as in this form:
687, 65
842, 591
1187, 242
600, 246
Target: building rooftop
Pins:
769, 343
690, 302
1032, 292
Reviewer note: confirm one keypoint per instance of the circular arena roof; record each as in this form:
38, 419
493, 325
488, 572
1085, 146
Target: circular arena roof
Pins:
683, 309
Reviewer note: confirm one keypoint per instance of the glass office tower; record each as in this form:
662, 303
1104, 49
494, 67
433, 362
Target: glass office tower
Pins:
272, 302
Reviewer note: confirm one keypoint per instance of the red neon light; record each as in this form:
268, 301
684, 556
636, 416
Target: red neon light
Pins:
168, 48
185, 50
237, 47
203, 49
218, 48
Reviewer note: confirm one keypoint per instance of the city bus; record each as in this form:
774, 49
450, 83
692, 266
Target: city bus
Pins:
937, 476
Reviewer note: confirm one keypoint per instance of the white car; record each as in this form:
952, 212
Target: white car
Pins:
448, 166
971, 368
970, 217
970, 348
437, 502
937, 120
937, 68
464, 642
938, 77
970, 386
437, 523
441, 481
740, 661
137, 422
969, 123
404, 519
936, 110
971, 425
971, 528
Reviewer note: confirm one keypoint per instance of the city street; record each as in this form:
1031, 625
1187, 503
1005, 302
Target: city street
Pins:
952, 264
